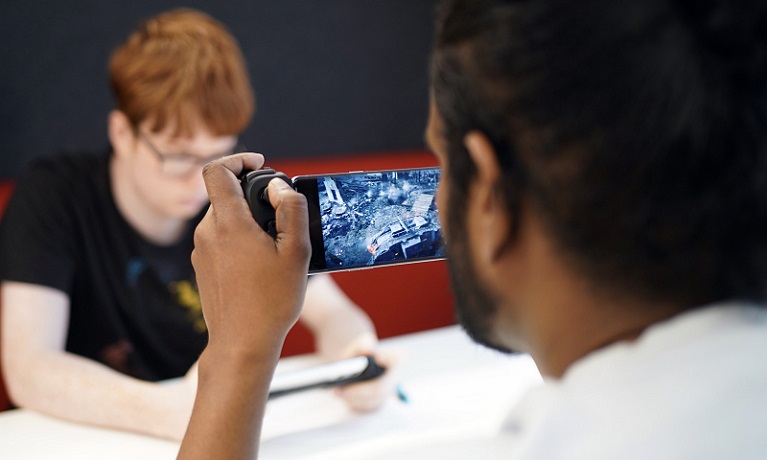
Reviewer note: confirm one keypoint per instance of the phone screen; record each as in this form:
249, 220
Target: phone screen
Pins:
366, 219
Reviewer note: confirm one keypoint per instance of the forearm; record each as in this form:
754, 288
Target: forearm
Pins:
230, 405
71, 387
335, 321
341, 331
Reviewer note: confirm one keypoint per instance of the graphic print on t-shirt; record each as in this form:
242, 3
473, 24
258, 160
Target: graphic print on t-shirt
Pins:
188, 297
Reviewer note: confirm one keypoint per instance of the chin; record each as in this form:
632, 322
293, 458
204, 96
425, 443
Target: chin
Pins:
475, 308
188, 210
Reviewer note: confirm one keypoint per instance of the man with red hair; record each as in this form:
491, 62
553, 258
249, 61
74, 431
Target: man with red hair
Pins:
98, 292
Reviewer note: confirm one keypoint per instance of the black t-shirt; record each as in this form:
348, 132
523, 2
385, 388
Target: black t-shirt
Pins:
134, 304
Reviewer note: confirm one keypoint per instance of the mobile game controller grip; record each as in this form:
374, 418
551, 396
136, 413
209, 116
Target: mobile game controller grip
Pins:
254, 186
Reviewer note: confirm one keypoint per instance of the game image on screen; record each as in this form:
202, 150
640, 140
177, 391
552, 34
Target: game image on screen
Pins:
380, 217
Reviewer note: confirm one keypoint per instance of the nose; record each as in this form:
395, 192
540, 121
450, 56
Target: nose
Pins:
194, 180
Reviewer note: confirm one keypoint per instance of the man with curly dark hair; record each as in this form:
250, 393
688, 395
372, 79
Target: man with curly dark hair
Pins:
604, 202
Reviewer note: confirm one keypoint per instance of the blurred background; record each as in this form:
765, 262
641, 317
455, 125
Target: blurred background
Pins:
332, 77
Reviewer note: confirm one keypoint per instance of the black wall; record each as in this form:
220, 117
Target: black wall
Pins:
331, 76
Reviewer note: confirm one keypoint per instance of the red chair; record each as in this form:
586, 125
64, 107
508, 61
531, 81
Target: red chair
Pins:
6, 187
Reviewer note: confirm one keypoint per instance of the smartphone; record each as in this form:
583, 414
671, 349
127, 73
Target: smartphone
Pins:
368, 219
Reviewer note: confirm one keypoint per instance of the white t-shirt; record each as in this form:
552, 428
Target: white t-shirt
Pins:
692, 387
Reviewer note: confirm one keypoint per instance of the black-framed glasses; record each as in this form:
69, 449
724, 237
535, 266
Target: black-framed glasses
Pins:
183, 164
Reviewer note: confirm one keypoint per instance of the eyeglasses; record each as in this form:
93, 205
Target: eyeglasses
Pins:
183, 164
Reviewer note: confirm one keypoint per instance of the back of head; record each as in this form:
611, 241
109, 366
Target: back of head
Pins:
635, 129
181, 68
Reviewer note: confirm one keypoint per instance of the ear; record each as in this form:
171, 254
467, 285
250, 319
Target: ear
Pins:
121, 134
490, 213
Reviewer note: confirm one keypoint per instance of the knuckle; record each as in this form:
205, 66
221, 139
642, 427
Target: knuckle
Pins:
208, 169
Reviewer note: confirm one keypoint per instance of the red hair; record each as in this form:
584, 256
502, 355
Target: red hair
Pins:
183, 67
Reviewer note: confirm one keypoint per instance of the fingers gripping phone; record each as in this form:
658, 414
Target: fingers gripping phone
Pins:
360, 219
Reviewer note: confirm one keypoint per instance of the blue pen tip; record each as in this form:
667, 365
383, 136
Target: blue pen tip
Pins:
401, 395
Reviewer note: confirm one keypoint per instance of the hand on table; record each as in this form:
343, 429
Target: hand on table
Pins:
370, 395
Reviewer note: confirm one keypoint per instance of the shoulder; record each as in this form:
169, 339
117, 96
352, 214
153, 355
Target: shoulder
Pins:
53, 187
64, 174
69, 168
691, 387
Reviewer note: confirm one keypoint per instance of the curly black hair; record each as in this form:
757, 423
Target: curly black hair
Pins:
636, 129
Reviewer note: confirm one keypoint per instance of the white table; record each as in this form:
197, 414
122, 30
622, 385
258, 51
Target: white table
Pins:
456, 389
